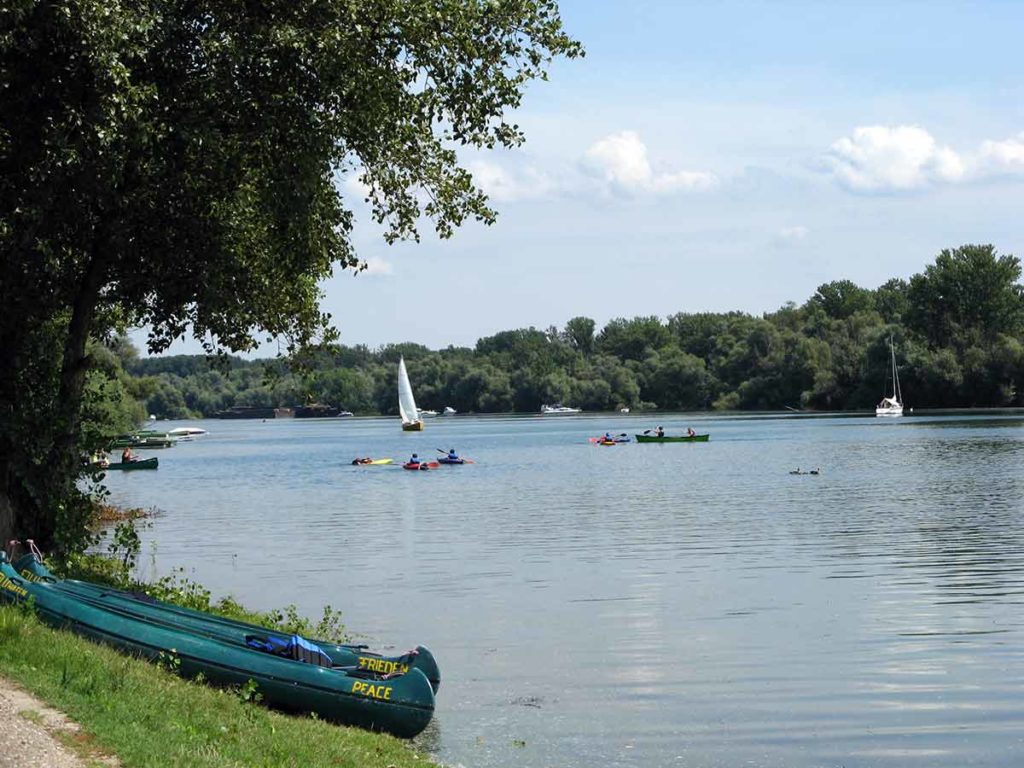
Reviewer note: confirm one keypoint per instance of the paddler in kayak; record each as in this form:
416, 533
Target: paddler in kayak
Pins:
365, 460
452, 455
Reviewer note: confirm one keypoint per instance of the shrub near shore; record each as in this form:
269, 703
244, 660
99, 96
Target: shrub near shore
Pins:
147, 716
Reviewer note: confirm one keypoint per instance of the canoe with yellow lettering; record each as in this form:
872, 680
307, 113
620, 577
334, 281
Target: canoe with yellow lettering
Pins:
398, 704
180, 618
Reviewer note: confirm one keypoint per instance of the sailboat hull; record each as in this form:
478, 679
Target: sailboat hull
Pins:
416, 426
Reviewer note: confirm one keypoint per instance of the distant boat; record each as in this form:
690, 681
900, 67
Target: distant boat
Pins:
427, 413
186, 432
411, 421
346, 413
448, 411
892, 406
623, 410
316, 411
557, 410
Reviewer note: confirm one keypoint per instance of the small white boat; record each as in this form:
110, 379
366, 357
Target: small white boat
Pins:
892, 406
623, 410
557, 410
428, 413
186, 433
448, 411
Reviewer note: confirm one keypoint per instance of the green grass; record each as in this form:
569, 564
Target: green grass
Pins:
147, 716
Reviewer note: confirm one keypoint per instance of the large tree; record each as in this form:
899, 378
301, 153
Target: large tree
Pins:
178, 164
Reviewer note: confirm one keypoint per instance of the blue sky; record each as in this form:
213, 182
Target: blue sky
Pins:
717, 156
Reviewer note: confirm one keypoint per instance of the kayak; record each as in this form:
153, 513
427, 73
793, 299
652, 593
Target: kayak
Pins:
420, 465
446, 460
606, 442
150, 463
602, 440
368, 462
142, 605
677, 439
305, 681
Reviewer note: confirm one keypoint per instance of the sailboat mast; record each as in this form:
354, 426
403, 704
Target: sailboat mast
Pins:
892, 352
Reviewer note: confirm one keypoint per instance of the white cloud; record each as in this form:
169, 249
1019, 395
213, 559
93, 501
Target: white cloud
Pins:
620, 160
503, 185
353, 185
1002, 156
892, 158
793, 234
375, 265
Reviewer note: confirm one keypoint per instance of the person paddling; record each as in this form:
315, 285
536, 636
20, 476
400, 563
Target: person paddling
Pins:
452, 455
127, 457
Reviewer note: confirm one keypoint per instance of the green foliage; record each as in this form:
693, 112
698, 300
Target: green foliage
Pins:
177, 166
830, 353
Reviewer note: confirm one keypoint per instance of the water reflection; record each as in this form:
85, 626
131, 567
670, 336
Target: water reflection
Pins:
644, 604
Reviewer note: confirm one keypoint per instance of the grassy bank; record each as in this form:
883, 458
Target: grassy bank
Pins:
147, 716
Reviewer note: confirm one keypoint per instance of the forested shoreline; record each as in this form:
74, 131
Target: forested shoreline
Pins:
957, 328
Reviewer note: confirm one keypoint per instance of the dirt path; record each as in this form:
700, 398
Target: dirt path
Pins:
33, 735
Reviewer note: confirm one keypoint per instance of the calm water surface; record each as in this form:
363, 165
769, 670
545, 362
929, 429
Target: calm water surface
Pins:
642, 605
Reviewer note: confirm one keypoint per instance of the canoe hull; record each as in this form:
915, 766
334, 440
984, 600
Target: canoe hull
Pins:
137, 604
401, 705
676, 439
150, 463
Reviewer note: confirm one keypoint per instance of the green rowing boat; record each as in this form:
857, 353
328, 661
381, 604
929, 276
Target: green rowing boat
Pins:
143, 606
676, 439
150, 463
398, 704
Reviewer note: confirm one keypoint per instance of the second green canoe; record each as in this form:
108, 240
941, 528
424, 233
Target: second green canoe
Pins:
676, 439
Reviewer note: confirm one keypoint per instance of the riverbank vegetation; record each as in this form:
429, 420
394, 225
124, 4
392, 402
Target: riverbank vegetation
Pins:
148, 716
957, 327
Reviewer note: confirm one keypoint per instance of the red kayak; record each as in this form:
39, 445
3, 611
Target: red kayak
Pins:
415, 465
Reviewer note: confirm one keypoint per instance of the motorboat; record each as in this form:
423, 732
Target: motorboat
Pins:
557, 410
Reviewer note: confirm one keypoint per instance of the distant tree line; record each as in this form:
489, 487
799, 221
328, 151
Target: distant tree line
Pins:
958, 331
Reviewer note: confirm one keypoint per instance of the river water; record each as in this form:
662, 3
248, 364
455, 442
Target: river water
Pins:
642, 605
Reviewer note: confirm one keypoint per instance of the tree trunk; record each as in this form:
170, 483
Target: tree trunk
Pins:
64, 455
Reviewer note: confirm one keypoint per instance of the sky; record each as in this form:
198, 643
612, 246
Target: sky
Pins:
718, 156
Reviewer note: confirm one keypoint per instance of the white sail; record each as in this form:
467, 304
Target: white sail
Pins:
406, 403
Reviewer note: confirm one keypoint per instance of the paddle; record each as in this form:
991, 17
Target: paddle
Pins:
464, 461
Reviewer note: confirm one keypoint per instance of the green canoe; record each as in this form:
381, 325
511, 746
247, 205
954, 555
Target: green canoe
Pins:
677, 439
145, 607
398, 704
150, 463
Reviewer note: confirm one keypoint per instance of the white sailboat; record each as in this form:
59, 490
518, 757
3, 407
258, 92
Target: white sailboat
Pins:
411, 421
892, 406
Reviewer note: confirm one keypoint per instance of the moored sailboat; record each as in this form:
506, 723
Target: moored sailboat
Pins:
411, 421
892, 406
